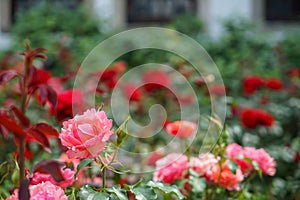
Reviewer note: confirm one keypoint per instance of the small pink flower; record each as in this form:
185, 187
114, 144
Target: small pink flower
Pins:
171, 168
45, 190
224, 177
182, 129
86, 135
67, 173
203, 163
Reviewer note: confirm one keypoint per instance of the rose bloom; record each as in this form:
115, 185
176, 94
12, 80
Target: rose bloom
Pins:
44, 190
203, 163
265, 162
182, 129
67, 173
132, 92
65, 103
86, 135
253, 117
251, 84
238, 154
274, 84
170, 168
154, 80
225, 177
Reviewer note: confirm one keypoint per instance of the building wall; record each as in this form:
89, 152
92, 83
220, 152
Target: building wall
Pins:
211, 12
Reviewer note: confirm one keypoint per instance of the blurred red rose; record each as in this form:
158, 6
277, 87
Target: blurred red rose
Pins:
155, 79
110, 76
132, 92
251, 84
182, 129
274, 84
253, 117
65, 103
39, 76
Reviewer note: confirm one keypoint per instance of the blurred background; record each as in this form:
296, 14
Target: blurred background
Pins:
249, 40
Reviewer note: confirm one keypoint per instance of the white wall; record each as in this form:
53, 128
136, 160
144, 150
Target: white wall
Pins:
4, 37
217, 11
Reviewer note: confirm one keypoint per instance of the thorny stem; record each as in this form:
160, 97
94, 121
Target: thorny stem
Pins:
21, 160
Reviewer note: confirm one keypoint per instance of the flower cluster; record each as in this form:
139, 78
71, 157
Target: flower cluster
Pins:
216, 172
246, 156
253, 117
253, 83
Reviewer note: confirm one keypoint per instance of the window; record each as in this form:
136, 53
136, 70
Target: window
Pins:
9, 9
158, 10
282, 10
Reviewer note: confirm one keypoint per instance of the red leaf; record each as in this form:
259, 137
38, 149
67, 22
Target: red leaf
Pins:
11, 125
43, 94
46, 129
40, 138
47, 93
7, 75
23, 119
51, 167
52, 96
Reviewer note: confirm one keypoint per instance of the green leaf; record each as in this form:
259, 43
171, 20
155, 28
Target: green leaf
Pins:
87, 193
118, 191
255, 165
143, 192
198, 184
4, 171
83, 164
122, 132
167, 189
233, 166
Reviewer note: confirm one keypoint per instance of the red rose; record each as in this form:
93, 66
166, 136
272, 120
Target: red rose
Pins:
154, 80
132, 92
65, 102
39, 76
274, 84
251, 84
253, 117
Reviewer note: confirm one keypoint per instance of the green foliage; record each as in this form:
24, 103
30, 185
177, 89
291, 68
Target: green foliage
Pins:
141, 191
188, 24
68, 34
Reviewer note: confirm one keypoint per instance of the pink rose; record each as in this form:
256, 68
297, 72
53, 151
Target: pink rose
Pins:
236, 153
239, 154
265, 162
225, 177
44, 190
182, 129
170, 168
67, 173
203, 163
86, 135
